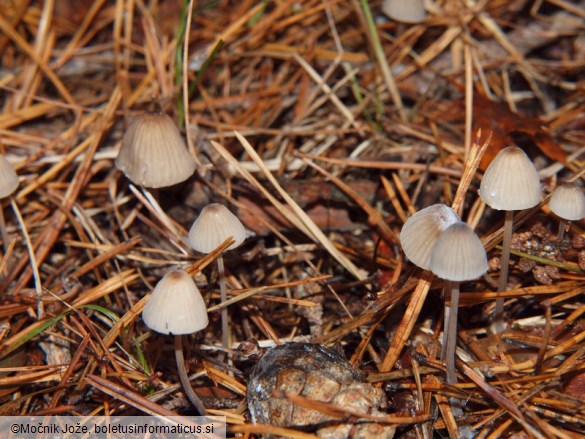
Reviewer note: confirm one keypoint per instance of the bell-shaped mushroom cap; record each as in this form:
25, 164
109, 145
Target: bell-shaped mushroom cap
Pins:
458, 254
153, 153
421, 230
214, 225
407, 11
568, 202
510, 182
175, 306
8, 178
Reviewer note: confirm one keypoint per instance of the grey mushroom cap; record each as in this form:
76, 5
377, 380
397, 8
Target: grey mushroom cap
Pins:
421, 231
213, 226
406, 11
153, 153
568, 202
511, 181
8, 178
458, 254
175, 306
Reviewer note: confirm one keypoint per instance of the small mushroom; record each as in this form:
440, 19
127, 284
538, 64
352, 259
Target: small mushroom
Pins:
406, 11
214, 225
568, 203
458, 255
8, 184
176, 307
153, 153
509, 183
420, 232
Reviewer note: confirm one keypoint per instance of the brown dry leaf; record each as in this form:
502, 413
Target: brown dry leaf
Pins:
308, 192
327, 206
505, 126
256, 217
69, 15
575, 386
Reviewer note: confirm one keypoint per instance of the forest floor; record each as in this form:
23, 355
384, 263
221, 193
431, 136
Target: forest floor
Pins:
323, 125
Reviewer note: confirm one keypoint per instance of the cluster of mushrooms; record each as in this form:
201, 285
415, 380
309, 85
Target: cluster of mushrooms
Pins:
154, 155
436, 239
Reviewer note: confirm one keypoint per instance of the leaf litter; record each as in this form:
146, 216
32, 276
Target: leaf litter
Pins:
323, 125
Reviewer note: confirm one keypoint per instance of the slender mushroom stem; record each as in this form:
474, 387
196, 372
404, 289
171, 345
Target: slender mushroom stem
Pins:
562, 227
450, 346
225, 324
504, 266
185, 377
3, 230
450, 332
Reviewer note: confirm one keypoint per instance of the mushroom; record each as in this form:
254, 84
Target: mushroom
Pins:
509, 183
407, 11
214, 225
176, 307
568, 203
421, 230
457, 255
8, 184
153, 153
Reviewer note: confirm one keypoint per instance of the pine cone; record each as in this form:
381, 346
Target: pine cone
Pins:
316, 373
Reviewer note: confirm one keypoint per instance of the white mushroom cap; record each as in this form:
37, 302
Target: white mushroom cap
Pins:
214, 225
175, 306
510, 182
8, 178
458, 254
153, 153
407, 11
421, 230
568, 202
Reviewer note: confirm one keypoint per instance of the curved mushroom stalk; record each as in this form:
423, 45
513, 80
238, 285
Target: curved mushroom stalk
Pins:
184, 377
